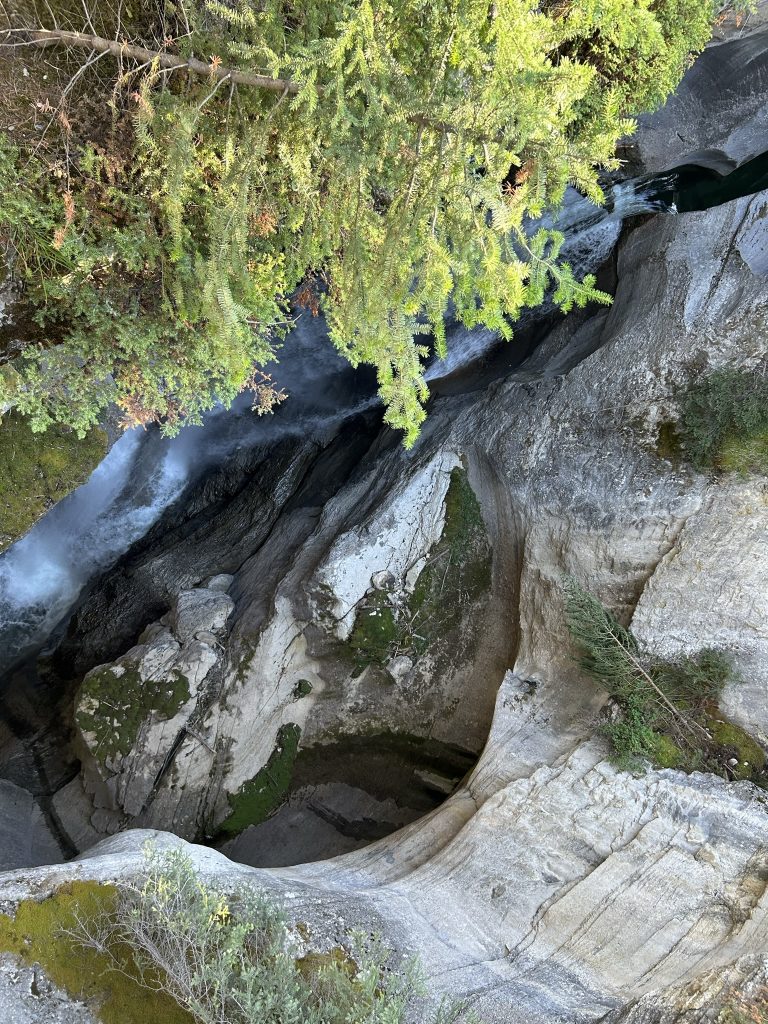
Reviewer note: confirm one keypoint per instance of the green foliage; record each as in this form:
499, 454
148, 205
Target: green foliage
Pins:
262, 795
108, 979
36, 472
381, 191
228, 957
724, 422
667, 710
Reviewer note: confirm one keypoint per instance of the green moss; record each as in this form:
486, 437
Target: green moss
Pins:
262, 795
302, 689
734, 742
112, 707
666, 753
376, 633
745, 454
35, 935
37, 470
457, 574
312, 965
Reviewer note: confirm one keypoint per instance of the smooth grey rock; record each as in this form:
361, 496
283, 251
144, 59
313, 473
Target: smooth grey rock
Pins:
400, 666
196, 611
74, 809
221, 582
27, 996
25, 838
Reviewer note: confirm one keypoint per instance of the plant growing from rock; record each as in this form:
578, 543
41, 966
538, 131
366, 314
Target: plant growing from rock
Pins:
723, 422
746, 1009
227, 956
667, 710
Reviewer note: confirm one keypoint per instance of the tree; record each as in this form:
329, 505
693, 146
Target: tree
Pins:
662, 703
373, 160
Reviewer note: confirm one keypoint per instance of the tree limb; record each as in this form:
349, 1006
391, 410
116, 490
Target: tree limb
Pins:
59, 37
42, 37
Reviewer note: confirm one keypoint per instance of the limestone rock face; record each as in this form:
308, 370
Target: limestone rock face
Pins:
709, 591
734, 993
132, 714
200, 611
25, 838
27, 996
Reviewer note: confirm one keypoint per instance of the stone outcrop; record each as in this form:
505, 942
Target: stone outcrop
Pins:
25, 838
131, 715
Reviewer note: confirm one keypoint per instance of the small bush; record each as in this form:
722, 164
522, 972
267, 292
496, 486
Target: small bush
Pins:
229, 957
667, 710
724, 422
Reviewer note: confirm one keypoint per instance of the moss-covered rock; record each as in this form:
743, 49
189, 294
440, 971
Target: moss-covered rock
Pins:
38, 934
457, 574
37, 470
114, 701
376, 633
262, 795
736, 744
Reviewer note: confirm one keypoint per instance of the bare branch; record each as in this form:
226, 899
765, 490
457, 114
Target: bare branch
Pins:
83, 41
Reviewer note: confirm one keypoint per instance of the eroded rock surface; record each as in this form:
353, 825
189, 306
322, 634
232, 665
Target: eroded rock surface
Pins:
132, 714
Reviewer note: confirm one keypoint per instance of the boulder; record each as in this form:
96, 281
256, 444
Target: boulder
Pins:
197, 611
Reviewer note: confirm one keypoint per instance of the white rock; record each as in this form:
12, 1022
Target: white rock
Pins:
196, 611
222, 582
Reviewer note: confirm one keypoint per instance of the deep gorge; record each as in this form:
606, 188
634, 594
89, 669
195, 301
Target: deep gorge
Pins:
357, 650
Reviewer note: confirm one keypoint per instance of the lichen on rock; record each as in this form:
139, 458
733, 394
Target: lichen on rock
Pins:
420, 613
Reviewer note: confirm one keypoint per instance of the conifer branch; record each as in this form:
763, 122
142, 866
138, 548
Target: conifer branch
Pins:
43, 37
59, 37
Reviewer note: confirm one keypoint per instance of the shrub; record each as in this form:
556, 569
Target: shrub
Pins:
724, 422
227, 957
667, 710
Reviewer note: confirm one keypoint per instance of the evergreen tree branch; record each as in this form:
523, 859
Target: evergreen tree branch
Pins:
81, 40
41, 38
596, 631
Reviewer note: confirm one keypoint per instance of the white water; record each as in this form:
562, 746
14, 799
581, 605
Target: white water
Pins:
590, 232
42, 575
